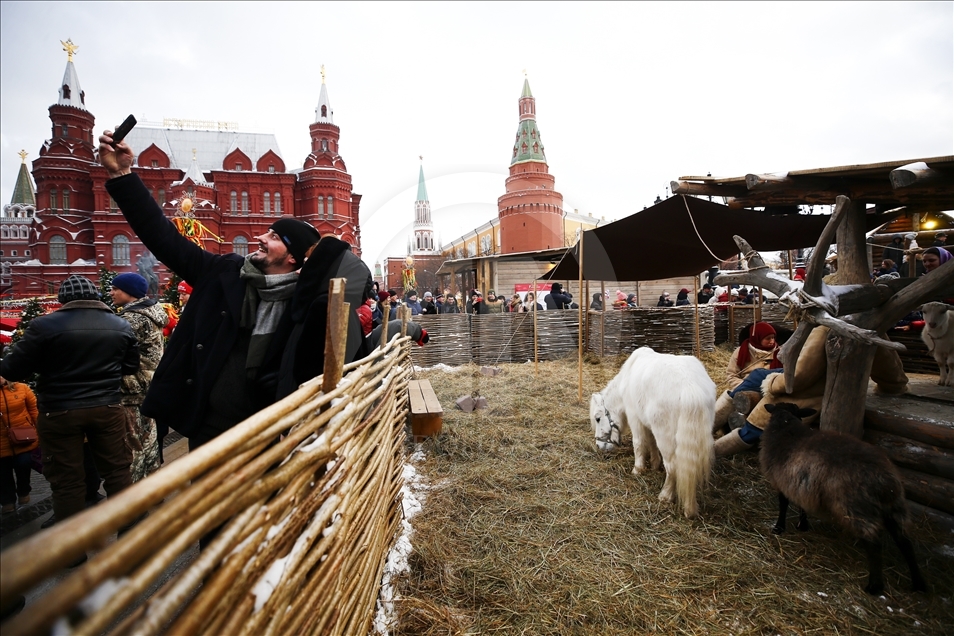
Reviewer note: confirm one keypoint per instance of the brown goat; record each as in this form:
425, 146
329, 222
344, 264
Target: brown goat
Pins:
841, 477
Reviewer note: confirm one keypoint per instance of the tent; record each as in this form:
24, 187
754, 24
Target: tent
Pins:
664, 241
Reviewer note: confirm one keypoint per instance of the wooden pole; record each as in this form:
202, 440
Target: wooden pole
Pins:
586, 315
791, 275
386, 311
336, 334
582, 303
912, 258
603, 318
698, 337
533, 308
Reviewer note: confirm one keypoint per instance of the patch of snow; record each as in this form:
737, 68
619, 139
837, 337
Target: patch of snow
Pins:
440, 366
101, 595
343, 414
267, 584
397, 562
822, 594
313, 446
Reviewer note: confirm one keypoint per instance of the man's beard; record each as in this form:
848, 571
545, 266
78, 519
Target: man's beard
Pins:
263, 260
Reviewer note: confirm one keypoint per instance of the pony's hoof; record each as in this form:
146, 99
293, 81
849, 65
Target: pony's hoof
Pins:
874, 589
778, 529
803, 526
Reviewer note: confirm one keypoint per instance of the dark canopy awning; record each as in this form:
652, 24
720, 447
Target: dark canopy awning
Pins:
664, 241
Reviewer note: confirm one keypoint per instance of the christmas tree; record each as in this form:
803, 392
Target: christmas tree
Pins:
31, 310
105, 284
170, 292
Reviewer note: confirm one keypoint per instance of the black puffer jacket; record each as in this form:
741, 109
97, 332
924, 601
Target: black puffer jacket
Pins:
81, 352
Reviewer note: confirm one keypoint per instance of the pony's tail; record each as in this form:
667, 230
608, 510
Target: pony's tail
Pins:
694, 451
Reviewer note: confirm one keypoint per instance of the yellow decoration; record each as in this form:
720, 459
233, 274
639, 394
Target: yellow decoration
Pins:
70, 49
186, 205
193, 230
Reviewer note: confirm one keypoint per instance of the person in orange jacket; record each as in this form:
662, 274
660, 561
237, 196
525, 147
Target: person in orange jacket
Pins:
17, 409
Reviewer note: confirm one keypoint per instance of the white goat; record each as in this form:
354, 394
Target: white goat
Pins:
938, 335
668, 402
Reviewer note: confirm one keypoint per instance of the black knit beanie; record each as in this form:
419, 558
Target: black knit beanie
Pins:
297, 235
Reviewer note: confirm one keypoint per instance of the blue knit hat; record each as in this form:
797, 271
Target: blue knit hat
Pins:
133, 284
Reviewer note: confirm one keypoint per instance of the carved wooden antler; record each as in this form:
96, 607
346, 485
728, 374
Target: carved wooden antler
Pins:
813, 303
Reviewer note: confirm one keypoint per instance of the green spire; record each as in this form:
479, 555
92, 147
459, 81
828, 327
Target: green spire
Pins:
23, 192
526, 88
528, 146
421, 188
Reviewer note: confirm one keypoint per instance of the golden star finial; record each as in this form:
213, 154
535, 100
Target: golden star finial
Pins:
193, 154
322, 73
70, 49
23, 155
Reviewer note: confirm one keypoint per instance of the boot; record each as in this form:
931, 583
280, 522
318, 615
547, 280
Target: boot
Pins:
730, 444
745, 401
723, 408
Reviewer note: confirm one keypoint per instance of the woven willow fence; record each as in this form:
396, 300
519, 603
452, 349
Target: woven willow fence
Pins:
665, 329
305, 524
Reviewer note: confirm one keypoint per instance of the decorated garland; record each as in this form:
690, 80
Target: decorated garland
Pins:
189, 226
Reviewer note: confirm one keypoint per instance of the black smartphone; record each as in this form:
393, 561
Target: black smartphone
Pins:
123, 129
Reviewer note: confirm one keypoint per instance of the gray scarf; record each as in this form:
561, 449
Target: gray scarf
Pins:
266, 297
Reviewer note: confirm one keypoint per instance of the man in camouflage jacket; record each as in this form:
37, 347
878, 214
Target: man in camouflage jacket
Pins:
147, 318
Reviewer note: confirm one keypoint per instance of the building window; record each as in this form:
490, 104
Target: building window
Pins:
52, 199
4, 232
112, 205
66, 91
26, 252
233, 201
66, 199
57, 250
13, 252
271, 168
162, 197
278, 204
324, 145
238, 167
331, 208
240, 245
324, 110
267, 203
64, 130
120, 250
155, 163
24, 232
245, 203
321, 207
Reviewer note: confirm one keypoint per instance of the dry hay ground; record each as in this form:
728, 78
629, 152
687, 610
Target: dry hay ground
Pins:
527, 529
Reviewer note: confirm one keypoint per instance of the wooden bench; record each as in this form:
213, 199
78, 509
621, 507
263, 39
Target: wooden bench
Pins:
427, 416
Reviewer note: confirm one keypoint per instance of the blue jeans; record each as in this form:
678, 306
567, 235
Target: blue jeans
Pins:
753, 381
750, 434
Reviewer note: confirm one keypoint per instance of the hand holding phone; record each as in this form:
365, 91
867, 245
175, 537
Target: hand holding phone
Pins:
123, 129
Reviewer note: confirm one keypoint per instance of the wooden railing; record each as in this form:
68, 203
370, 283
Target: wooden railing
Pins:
299, 506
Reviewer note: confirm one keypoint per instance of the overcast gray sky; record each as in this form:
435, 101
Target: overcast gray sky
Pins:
629, 96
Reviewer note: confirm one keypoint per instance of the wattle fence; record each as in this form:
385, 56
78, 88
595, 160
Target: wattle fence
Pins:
299, 505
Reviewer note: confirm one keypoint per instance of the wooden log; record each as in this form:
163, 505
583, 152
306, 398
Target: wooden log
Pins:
908, 453
929, 490
706, 189
897, 424
911, 174
921, 514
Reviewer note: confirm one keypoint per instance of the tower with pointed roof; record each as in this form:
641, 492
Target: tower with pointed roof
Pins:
323, 194
65, 201
531, 210
16, 224
423, 240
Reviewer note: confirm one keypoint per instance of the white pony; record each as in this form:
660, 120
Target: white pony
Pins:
669, 403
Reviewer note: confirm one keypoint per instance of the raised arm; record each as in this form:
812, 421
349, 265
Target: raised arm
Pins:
146, 218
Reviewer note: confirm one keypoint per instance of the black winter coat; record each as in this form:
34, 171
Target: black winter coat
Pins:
207, 332
81, 352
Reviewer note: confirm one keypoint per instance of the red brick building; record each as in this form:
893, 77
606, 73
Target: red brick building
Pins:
237, 183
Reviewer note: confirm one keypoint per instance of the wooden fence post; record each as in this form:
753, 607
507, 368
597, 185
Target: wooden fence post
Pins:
336, 335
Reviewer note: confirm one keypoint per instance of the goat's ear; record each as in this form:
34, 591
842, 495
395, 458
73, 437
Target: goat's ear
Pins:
803, 413
769, 407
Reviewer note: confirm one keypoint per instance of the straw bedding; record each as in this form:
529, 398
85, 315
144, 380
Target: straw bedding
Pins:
528, 529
